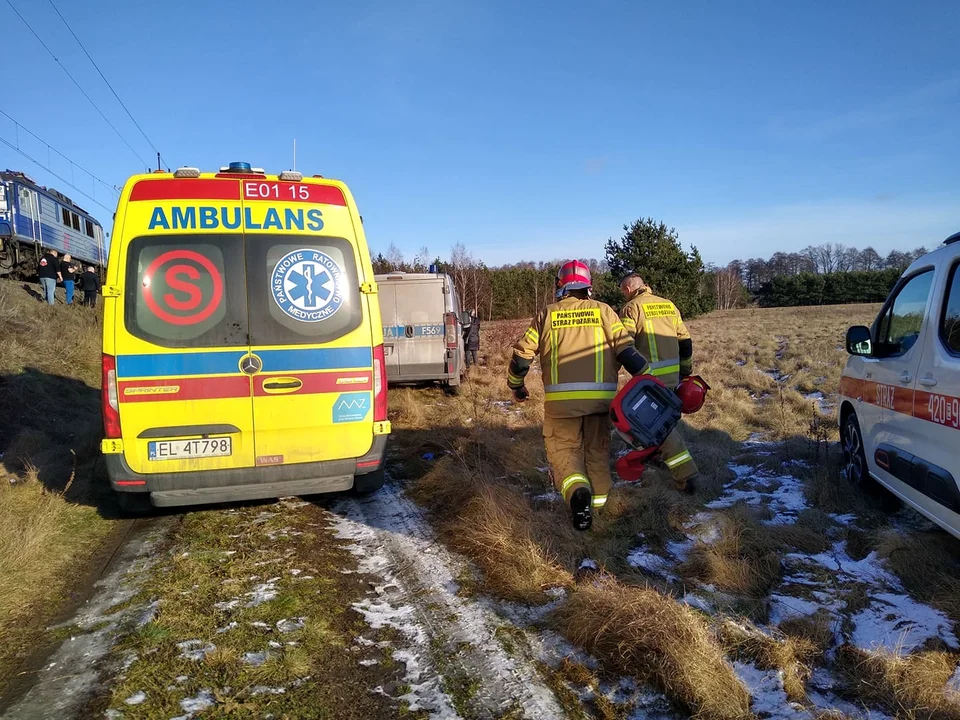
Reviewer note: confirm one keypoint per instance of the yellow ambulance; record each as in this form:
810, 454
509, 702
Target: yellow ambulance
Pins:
242, 341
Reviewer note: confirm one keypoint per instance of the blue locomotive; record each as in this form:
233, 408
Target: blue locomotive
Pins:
33, 217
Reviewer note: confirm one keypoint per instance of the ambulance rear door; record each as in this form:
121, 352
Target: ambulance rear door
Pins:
309, 326
180, 330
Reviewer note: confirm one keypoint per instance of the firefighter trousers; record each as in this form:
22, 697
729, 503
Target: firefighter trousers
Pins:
679, 461
578, 450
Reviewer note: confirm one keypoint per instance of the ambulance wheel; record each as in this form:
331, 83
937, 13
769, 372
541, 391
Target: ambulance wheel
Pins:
134, 504
369, 483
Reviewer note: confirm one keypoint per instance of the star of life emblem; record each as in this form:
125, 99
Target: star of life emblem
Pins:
307, 285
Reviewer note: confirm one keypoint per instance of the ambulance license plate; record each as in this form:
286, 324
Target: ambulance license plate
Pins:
187, 449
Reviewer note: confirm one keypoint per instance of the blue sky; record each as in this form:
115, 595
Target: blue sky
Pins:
526, 130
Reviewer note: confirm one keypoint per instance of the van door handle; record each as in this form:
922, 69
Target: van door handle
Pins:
282, 385
928, 381
906, 377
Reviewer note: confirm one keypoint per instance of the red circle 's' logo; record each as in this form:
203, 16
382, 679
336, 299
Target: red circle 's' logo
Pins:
182, 287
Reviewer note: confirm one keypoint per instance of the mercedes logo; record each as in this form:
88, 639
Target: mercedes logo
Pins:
250, 364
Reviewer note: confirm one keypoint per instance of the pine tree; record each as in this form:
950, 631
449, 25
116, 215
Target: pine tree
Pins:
653, 250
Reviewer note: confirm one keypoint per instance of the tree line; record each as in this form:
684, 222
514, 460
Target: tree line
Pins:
824, 274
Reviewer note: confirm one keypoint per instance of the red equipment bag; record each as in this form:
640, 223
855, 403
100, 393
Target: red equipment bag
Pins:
631, 465
645, 412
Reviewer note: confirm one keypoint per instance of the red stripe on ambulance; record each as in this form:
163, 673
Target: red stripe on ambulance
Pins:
293, 192
314, 383
190, 189
204, 388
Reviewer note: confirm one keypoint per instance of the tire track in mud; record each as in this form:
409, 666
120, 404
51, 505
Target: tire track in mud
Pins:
456, 666
63, 678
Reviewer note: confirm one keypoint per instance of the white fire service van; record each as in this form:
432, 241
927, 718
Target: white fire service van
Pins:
422, 328
900, 391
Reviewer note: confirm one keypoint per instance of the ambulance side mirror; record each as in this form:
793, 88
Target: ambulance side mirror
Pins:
859, 341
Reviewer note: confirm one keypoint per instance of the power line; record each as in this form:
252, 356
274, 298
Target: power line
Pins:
73, 164
106, 120
15, 146
103, 77
62, 179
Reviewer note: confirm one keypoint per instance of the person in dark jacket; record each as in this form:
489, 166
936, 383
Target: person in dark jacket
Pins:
49, 274
91, 286
471, 340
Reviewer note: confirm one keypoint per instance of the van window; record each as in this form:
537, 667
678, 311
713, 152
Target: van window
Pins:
950, 321
186, 290
301, 289
902, 320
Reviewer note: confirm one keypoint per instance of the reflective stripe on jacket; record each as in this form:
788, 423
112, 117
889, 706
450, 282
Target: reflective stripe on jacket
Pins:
578, 342
658, 329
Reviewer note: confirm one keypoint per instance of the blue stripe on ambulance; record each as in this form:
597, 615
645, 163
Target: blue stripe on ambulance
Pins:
228, 363
315, 359
168, 364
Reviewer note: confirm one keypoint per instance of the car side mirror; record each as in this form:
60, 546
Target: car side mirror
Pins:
859, 341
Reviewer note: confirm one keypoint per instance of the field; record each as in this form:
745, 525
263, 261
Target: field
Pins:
777, 590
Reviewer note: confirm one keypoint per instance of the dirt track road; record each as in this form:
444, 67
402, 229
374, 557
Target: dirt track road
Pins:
450, 655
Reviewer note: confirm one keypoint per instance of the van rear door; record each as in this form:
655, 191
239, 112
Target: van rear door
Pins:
420, 310
392, 330
310, 329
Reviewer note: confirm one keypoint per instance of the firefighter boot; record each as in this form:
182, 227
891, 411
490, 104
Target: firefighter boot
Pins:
678, 460
581, 511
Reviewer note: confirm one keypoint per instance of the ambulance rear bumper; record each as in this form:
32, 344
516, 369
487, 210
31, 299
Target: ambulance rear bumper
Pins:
218, 486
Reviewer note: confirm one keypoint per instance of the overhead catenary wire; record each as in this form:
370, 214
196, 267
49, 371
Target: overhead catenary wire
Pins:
20, 126
103, 77
79, 87
59, 177
15, 146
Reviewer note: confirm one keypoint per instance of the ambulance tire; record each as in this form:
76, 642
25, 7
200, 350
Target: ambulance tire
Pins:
134, 504
369, 483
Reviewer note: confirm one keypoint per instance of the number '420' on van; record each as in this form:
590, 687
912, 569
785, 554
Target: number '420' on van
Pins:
242, 341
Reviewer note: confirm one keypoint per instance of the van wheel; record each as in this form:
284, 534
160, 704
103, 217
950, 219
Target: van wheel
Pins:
854, 459
452, 390
134, 504
369, 483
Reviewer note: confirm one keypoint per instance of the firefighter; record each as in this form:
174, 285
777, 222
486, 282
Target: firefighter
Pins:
581, 344
662, 337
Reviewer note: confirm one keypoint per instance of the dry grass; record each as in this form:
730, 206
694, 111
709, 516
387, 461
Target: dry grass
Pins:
641, 633
910, 687
49, 436
484, 493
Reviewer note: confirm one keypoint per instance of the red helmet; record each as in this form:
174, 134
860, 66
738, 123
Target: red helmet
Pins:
692, 392
573, 275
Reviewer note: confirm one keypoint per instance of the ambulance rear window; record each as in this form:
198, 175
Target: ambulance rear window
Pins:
186, 290
301, 289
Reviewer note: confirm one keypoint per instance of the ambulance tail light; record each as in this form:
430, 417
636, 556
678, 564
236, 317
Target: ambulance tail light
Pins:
450, 330
379, 385
187, 172
110, 398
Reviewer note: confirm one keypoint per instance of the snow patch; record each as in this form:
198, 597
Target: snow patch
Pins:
136, 699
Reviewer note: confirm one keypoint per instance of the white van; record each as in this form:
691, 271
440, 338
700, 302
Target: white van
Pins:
900, 390
422, 329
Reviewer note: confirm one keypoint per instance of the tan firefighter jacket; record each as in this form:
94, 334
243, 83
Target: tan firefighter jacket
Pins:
581, 344
660, 335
